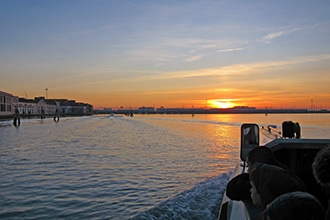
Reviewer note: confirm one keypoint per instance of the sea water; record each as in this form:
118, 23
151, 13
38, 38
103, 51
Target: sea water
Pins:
142, 167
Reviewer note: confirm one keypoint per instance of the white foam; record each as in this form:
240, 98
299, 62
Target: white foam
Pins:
200, 202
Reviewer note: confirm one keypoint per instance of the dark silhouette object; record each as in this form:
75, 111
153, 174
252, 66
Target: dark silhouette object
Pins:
56, 116
17, 119
297, 130
269, 181
321, 171
239, 187
43, 114
262, 154
288, 129
291, 130
294, 205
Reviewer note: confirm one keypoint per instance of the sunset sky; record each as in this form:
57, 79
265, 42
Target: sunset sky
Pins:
171, 53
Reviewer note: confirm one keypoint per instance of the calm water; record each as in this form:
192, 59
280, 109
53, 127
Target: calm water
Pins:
145, 167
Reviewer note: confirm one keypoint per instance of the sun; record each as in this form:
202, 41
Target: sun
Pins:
221, 104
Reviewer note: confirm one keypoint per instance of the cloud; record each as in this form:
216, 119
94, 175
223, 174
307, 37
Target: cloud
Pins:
273, 35
276, 34
231, 50
242, 74
208, 46
194, 58
241, 69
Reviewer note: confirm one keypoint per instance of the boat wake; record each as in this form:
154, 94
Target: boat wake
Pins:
200, 202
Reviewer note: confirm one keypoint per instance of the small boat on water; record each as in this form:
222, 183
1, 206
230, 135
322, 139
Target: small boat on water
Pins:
289, 148
115, 116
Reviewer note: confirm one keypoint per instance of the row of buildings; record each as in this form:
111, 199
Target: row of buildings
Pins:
39, 106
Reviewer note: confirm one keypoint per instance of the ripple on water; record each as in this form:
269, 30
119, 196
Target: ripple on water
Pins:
96, 168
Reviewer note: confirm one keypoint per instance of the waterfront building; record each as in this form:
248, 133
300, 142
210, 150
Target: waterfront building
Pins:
71, 107
27, 107
7, 101
41, 106
36, 106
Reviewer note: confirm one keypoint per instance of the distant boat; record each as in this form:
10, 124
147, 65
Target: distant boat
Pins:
129, 114
115, 116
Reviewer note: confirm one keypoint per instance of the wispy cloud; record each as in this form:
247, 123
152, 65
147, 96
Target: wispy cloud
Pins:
273, 35
230, 71
194, 58
277, 34
231, 50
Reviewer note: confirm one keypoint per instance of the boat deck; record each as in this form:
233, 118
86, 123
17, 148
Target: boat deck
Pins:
298, 155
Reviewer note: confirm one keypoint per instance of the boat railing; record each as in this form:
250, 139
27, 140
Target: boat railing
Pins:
271, 131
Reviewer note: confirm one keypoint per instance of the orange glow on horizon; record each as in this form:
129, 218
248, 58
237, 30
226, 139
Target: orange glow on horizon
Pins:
205, 99
221, 103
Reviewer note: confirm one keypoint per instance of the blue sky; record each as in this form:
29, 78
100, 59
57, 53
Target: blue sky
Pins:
167, 53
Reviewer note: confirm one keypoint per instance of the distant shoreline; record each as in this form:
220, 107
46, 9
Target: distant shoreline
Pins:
196, 111
214, 111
